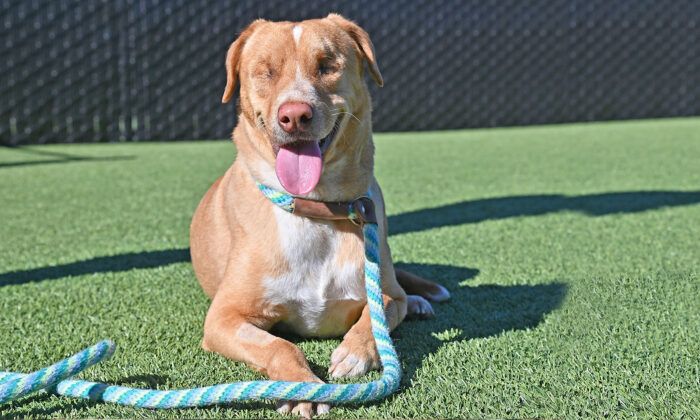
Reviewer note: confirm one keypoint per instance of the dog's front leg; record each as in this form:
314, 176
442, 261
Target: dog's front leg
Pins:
358, 354
231, 334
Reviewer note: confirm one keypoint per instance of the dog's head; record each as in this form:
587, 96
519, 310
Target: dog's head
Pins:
303, 98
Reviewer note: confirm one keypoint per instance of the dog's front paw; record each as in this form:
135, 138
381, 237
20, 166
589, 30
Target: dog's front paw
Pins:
303, 408
355, 356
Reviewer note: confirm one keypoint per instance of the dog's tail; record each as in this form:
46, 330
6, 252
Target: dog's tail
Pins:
414, 285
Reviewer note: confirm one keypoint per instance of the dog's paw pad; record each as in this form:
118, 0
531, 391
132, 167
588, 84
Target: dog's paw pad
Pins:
418, 306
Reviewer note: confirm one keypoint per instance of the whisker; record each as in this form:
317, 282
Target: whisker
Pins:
349, 113
335, 112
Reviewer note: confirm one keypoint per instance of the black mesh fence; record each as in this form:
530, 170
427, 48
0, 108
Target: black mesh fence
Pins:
118, 70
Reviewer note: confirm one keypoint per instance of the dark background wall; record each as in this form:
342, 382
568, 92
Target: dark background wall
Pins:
116, 70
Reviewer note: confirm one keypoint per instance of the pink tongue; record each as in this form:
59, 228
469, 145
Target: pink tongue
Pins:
299, 167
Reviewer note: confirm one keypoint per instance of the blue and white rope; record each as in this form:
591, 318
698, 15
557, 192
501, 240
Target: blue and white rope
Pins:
283, 200
54, 378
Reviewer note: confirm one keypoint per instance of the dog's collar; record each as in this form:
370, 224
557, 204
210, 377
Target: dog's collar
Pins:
359, 211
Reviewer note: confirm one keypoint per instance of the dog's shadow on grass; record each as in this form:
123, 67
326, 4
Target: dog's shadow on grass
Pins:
471, 312
496, 208
106, 264
55, 157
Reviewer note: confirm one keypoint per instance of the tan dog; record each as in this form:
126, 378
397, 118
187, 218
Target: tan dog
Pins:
305, 126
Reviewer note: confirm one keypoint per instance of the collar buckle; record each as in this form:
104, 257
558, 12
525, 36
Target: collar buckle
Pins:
365, 211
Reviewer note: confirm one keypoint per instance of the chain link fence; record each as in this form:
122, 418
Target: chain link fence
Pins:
149, 70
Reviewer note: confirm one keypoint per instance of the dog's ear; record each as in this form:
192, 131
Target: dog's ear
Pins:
233, 58
363, 42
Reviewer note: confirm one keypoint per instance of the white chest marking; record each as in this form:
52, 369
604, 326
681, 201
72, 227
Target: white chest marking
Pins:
296, 32
316, 292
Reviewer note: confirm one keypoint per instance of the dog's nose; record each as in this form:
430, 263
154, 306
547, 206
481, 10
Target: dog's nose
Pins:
294, 116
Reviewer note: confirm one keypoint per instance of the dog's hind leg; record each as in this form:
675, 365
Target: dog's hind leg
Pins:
414, 285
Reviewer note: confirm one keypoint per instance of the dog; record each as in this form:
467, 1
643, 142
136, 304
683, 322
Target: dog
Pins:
304, 127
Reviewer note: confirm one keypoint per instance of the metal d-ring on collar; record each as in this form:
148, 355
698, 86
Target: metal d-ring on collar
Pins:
364, 210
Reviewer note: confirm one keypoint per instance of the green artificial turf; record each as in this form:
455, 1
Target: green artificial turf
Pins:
571, 253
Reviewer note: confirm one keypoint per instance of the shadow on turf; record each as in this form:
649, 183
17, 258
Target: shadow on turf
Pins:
59, 157
112, 263
142, 381
472, 312
476, 211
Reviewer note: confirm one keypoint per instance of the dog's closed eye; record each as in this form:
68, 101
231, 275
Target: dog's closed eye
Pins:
324, 68
328, 64
264, 73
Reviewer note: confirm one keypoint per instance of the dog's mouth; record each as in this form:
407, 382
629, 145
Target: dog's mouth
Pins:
326, 141
299, 164
323, 143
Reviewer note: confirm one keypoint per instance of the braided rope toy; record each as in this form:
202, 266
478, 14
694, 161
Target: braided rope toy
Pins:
55, 378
